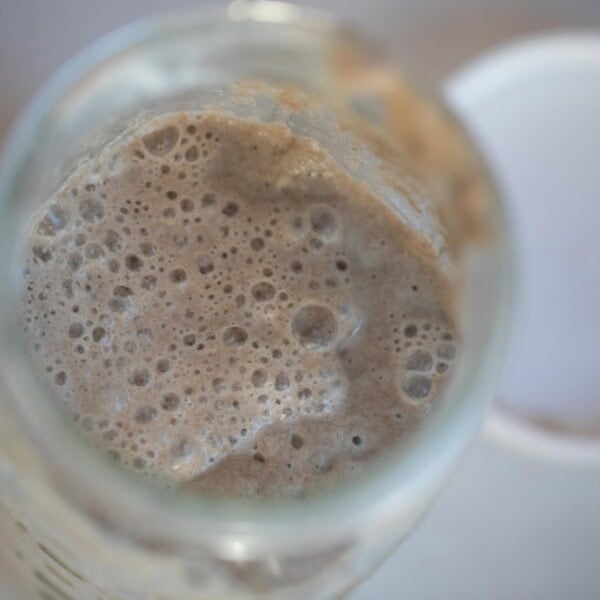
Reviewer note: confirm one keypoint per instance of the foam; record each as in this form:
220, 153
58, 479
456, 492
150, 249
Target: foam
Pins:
216, 303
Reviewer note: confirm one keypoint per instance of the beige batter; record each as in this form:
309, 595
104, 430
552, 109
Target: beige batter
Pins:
218, 305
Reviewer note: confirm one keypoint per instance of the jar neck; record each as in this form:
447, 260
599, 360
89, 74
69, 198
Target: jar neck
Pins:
161, 64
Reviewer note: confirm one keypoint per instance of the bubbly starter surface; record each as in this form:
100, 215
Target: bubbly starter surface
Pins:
217, 304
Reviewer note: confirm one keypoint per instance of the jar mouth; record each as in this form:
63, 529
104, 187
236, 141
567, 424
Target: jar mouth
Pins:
91, 483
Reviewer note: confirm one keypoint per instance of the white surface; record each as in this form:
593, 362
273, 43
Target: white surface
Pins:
533, 107
505, 528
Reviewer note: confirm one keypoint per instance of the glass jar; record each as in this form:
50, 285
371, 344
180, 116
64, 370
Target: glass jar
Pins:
73, 525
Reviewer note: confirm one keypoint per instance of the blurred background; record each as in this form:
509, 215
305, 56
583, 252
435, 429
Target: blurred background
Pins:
430, 37
509, 525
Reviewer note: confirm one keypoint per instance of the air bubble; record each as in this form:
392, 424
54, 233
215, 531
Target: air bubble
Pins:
75, 330
113, 241
234, 336
258, 378
189, 339
177, 276
145, 415
231, 209
282, 382
441, 367
117, 305
205, 264
170, 402
162, 366
304, 394
180, 240
122, 291
410, 331
296, 266
446, 351
417, 387
133, 262
314, 326
139, 463
263, 291
357, 440
419, 360
140, 377
75, 261
161, 141
91, 210
44, 254
93, 251
323, 220
219, 385
149, 282
130, 346
98, 333
147, 248
60, 378
240, 300
208, 199
186, 205
192, 153
297, 441
257, 244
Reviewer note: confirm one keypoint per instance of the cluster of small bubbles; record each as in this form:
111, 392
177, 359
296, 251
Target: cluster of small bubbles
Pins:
428, 354
200, 312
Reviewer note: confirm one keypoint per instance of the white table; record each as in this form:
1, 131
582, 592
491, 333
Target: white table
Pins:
506, 528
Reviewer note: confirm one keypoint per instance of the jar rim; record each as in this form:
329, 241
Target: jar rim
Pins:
432, 449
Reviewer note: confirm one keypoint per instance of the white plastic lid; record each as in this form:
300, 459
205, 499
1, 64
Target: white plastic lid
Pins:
534, 109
